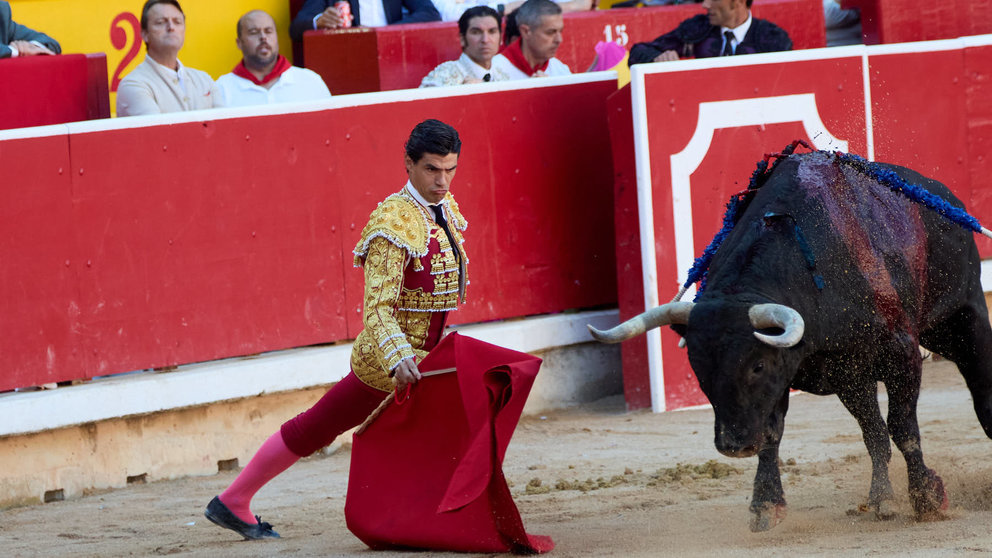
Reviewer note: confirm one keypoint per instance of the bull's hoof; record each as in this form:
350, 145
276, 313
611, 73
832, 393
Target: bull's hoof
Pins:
766, 516
882, 510
930, 499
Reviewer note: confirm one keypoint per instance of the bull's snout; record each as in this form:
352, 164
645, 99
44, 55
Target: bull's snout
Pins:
731, 443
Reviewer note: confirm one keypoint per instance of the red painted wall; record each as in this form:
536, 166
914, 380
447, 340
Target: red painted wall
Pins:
143, 247
41, 90
903, 21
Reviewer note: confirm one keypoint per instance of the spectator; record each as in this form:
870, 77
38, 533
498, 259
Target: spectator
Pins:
18, 40
264, 76
540, 24
478, 29
726, 28
161, 83
323, 14
843, 26
451, 10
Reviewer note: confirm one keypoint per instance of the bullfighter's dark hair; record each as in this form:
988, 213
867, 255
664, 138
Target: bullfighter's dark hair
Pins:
474, 12
434, 137
148, 6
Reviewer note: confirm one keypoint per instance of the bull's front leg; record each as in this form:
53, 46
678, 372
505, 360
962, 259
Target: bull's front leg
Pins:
926, 489
862, 402
768, 507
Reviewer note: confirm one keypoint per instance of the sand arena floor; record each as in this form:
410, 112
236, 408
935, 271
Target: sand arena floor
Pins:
601, 481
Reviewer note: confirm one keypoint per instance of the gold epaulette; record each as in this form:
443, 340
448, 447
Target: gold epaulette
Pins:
455, 215
401, 221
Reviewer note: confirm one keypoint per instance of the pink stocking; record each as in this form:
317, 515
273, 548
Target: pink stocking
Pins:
270, 460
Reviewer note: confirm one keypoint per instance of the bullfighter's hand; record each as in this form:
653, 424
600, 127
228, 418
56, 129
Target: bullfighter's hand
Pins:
667, 56
405, 373
330, 19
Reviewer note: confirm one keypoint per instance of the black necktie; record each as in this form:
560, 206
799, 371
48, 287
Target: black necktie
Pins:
440, 220
487, 77
728, 46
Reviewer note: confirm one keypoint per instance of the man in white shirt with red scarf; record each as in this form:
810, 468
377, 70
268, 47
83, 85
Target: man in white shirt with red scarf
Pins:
264, 76
533, 55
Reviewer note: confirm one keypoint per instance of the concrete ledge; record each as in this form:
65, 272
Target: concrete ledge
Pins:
205, 418
201, 384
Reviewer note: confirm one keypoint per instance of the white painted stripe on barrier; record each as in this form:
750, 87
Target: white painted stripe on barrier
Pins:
987, 275
977, 40
752, 59
339, 101
869, 123
645, 215
236, 378
35, 132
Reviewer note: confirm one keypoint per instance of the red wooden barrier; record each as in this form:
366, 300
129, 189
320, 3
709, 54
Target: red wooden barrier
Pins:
977, 83
40, 90
902, 21
154, 245
703, 124
399, 56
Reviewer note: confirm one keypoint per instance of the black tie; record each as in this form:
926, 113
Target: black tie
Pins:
487, 77
728, 48
440, 220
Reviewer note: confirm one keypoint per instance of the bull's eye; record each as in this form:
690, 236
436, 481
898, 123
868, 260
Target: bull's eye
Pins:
758, 367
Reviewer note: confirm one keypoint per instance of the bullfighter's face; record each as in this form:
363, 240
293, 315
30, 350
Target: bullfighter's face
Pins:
431, 176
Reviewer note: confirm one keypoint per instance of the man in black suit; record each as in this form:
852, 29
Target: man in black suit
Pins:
726, 28
18, 40
322, 14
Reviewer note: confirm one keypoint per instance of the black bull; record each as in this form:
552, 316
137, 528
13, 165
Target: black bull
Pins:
829, 283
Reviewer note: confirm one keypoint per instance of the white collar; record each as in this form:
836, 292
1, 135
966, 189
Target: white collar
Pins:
181, 72
474, 68
420, 199
741, 30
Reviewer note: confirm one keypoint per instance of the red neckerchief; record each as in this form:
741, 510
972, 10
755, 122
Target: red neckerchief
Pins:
281, 66
515, 55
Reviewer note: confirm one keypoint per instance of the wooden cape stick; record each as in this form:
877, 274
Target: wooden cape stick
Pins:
385, 402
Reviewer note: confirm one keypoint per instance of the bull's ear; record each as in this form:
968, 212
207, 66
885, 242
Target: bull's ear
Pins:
679, 328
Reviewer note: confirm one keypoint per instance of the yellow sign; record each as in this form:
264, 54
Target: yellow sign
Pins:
112, 27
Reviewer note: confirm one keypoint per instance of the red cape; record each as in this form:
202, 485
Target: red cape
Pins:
454, 430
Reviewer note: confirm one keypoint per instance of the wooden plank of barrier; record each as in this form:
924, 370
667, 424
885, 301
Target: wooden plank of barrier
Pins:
40, 300
41, 90
978, 104
347, 59
174, 239
205, 240
702, 125
903, 21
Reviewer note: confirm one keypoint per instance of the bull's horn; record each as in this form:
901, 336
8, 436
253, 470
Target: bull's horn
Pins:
666, 314
780, 316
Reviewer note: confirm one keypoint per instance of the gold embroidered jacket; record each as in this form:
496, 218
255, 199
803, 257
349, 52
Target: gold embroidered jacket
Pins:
411, 272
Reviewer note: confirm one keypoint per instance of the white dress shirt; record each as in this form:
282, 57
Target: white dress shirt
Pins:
294, 85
